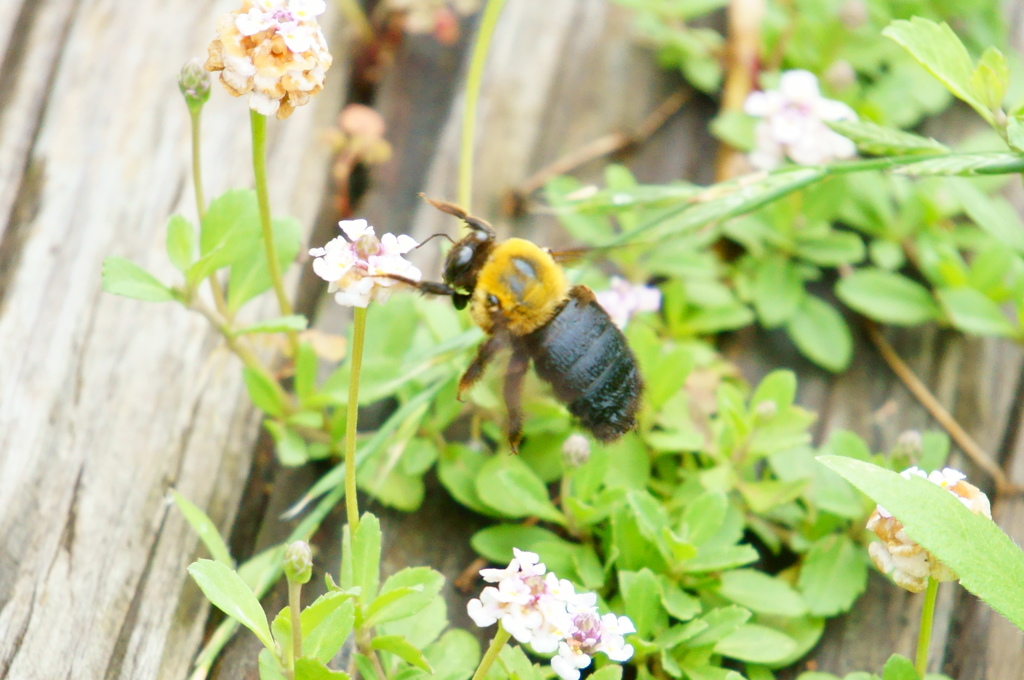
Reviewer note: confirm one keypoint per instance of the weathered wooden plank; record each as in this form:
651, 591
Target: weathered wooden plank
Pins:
106, 402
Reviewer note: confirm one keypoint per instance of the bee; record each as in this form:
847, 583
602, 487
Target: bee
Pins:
520, 297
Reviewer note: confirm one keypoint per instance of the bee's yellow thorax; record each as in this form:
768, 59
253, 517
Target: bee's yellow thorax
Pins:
527, 284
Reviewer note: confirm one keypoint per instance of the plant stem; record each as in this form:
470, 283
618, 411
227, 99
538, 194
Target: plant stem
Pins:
474, 76
356, 17
196, 115
924, 635
294, 596
501, 638
358, 335
259, 166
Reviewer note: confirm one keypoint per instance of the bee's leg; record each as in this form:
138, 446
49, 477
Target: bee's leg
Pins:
484, 354
517, 366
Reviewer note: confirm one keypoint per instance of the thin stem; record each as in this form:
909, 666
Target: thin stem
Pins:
935, 408
924, 635
742, 57
196, 115
294, 598
501, 638
488, 22
259, 166
358, 335
243, 352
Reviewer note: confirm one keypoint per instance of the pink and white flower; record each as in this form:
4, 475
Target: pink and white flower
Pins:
546, 612
358, 266
624, 300
793, 123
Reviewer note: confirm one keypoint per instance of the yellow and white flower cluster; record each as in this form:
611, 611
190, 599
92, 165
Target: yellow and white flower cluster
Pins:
897, 554
272, 50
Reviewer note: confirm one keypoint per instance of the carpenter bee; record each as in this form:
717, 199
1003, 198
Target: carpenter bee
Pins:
519, 295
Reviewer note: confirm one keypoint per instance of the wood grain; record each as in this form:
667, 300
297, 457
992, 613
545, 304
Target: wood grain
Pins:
108, 402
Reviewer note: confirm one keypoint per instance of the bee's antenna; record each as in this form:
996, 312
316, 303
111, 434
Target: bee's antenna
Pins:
432, 236
474, 223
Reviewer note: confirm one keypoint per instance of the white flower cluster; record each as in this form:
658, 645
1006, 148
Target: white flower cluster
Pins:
538, 609
793, 124
358, 266
909, 563
625, 299
272, 50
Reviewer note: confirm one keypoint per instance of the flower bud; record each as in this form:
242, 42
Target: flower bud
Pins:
766, 410
298, 562
194, 83
576, 450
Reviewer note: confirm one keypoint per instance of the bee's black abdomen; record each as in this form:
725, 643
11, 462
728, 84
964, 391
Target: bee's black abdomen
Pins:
585, 358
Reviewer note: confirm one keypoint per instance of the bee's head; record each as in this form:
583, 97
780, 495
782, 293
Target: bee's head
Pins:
468, 255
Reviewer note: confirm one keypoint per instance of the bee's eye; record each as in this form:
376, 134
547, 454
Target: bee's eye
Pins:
492, 300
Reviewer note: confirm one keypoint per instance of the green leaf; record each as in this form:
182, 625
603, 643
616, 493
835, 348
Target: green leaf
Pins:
899, 668
282, 324
397, 645
326, 625
363, 559
990, 78
123, 277
989, 563
757, 644
777, 290
704, 515
882, 141
609, 672
833, 575
778, 387
404, 594
226, 590
641, 596
994, 214
314, 669
832, 249
887, 297
761, 593
722, 622
496, 542
972, 312
206, 529
508, 485
235, 209
181, 242
455, 656
292, 450
250, 275
269, 666
263, 392
939, 50
821, 334
964, 164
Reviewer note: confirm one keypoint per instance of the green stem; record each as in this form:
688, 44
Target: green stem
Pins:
501, 638
924, 635
358, 334
195, 114
259, 166
294, 596
474, 76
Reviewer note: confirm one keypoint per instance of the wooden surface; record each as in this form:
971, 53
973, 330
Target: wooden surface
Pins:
107, 402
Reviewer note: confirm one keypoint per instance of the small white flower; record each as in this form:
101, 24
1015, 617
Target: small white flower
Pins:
358, 267
547, 613
793, 123
897, 554
624, 299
